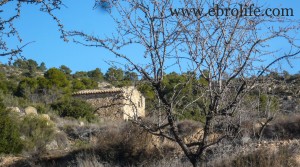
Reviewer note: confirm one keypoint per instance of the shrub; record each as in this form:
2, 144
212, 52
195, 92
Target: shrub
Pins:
126, 144
56, 78
188, 127
268, 103
10, 141
74, 108
37, 132
262, 158
284, 128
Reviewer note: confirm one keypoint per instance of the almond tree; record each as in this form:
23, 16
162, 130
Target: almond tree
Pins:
230, 52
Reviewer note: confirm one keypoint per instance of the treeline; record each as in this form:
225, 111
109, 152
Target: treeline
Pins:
28, 80
34, 82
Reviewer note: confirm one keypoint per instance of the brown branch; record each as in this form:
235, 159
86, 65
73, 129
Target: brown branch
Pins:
18, 50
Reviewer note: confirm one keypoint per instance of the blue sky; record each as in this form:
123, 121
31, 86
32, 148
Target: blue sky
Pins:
49, 48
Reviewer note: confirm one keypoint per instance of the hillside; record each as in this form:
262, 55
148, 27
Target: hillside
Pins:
43, 125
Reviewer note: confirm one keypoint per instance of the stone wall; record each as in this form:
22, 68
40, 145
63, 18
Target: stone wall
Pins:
107, 105
115, 104
134, 103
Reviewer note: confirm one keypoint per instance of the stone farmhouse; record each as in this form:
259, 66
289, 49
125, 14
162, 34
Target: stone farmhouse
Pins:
115, 103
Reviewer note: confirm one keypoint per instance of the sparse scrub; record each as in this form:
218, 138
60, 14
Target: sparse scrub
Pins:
262, 158
62, 140
10, 141
37, 132
84, 160
126, 145
188, 127
75, 131
283, 128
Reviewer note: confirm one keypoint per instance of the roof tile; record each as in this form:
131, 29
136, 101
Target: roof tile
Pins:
98, 91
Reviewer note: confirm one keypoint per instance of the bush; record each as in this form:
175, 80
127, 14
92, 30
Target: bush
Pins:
262, 158
10, 142
126, 144
42, 108
283, 128
37, 132
74, 108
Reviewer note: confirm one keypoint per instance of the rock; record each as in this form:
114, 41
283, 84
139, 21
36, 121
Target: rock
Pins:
62, 140
14, 109
46, 116
297, 159
30, 110
81, 123
52, 145
245, 140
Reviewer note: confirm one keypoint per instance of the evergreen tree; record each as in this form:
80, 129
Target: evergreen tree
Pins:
96, 75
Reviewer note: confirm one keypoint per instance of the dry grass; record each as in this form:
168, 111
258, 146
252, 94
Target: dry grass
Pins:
283, 128
126, 144
283, 156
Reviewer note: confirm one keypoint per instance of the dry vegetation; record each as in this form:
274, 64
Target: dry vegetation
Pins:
124, 144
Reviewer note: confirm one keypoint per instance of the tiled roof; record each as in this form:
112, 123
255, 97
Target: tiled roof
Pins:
98, 91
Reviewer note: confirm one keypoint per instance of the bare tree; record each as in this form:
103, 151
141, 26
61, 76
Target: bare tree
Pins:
231, 53
8, 19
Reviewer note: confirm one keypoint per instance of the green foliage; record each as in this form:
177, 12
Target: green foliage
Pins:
89, 83
192, 114
202, 81
84, 83
96, 75
42, 67
146, 90
44, 89
41, 108
275, 75
65, 69
74, 108
26, 87
11, 100
20, 63
149, 94
77, 85
29, 67
80, 74
32, 68
130, 78
10, 141
57, 78
174, 82
7, 86
37, 131
2, 75
113, 74
268, 103
43, 83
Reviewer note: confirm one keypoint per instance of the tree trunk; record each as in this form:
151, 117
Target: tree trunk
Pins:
195, 162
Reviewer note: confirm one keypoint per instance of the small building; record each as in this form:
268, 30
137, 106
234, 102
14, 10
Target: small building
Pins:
115, 103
